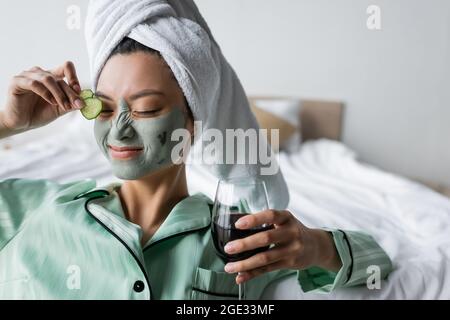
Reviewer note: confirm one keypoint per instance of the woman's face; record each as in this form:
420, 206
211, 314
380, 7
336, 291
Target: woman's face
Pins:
142, 105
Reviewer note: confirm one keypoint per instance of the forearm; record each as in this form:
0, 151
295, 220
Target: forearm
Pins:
5, 131
327, 256
359, 253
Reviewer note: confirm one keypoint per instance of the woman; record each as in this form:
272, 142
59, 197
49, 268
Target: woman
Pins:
146, 238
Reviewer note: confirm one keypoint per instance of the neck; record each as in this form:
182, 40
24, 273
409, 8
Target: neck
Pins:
148, 201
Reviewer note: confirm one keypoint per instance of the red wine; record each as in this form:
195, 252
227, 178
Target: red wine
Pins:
224, 231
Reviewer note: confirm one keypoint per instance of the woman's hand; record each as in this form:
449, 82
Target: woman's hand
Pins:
37, 97
295, 246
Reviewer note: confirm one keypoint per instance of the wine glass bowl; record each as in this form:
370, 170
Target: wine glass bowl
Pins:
223, 230
237, 198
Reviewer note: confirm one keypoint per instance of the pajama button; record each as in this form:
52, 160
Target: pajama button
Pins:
139, 286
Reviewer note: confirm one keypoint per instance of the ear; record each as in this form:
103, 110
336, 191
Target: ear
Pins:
189, 125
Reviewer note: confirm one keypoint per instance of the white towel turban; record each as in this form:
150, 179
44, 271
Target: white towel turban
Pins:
214, 93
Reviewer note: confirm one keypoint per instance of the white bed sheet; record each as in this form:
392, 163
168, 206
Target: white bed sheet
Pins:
328, 188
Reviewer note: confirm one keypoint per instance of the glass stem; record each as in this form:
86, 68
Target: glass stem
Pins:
241, 290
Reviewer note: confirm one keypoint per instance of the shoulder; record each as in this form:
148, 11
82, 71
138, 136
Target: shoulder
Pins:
33, 192
23, 198
199, 200
201, 197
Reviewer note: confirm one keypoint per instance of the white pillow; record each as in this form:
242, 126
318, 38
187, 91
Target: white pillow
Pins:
287, 109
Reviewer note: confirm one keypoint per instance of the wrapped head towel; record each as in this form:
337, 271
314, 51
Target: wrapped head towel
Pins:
214, 93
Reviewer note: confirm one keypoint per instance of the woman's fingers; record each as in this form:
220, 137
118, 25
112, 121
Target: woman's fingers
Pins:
248, 275
37, 87
259, 260
75, 101
259, 240
49, 81
65, 95
264, 217
68, 71
62, 93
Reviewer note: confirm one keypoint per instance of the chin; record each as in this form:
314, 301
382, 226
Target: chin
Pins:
127, 174
130, 174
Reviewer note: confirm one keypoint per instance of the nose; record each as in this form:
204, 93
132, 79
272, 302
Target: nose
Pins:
122, 131
121, 126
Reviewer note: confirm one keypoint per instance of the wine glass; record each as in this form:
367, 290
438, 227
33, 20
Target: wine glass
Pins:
236, 198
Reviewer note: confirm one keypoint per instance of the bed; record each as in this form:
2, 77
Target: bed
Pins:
328, 187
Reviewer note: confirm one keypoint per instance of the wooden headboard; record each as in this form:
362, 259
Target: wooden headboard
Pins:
321, 119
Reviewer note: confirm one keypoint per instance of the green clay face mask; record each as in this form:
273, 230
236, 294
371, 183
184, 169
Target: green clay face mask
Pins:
136, 148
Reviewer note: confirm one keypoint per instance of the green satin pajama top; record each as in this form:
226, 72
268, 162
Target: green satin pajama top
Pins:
72, 241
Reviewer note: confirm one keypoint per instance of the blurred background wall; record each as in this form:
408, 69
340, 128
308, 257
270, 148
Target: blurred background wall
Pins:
395, 81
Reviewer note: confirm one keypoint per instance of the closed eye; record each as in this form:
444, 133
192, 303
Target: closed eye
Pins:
146, 113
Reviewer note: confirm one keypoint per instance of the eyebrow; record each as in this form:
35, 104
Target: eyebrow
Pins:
140, 94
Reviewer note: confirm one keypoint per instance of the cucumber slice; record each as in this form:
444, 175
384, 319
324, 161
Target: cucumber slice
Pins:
86, 94
92, 109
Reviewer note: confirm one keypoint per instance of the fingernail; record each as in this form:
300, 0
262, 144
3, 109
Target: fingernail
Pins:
77, 88
230, 247
241, 223
240, 278
230, 267
79, 104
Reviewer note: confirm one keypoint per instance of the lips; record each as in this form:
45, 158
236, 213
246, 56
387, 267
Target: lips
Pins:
124, 152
